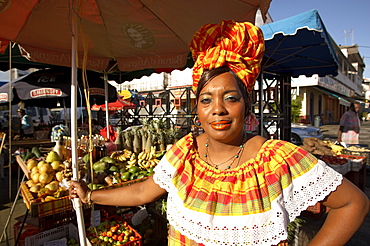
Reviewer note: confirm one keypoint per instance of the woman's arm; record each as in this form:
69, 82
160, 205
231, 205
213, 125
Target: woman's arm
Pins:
340, 131
348, 208
131, 195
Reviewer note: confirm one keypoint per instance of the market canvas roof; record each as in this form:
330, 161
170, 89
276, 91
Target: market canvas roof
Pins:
299, 45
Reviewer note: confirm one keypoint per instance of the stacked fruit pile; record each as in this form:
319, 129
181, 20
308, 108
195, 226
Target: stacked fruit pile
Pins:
47, 174
123, 166
317, 147
334, 160
112, 231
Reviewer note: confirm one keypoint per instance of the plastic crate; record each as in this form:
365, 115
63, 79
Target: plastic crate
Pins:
28, 230
69, 216
66, 231
342, 169
358, 153
357, 162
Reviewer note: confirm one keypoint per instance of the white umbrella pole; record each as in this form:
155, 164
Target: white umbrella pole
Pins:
260, 88
10, 99
106, 104
76, 201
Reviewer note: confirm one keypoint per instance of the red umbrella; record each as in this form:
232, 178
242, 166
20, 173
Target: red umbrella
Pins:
114, 106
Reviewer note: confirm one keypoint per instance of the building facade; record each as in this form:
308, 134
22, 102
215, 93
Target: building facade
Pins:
330, 96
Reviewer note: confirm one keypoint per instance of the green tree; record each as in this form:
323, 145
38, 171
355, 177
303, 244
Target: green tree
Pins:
296, 108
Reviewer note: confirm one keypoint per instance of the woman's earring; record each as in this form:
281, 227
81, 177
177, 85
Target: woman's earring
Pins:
197, 122
251, 122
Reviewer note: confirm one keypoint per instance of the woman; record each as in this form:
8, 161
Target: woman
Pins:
227, 187
349, 126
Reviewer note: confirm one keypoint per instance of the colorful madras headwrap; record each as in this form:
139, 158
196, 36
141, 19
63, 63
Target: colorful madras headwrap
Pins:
238, 45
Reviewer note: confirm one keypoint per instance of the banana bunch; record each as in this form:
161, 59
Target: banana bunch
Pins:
144, 160
147, 156
337, 149
146, 164
147, 160
121, 156
132, 161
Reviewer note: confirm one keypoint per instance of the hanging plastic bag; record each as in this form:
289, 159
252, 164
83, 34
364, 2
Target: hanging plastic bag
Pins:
343, 144
112, 134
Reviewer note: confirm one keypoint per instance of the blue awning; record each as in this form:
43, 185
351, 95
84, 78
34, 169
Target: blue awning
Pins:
342, 101
299, 45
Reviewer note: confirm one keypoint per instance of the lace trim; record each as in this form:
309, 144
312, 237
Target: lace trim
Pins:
315, 186
163, 174
268, 228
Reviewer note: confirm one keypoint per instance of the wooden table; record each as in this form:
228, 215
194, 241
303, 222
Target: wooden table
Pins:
31, 143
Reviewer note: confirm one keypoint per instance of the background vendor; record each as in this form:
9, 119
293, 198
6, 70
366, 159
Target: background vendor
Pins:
27, 128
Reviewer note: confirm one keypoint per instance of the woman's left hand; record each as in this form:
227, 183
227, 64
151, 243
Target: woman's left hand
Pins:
78, 190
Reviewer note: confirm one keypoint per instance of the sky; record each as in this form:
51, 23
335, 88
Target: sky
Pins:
347, 21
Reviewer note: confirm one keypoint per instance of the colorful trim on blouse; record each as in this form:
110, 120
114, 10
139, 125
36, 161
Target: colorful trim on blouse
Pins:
249, 205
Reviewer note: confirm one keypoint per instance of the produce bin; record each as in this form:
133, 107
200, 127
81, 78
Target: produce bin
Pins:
136, 241
357, 162
69, 216
42, 209
28, 230
357, 174
358, 153
66, 231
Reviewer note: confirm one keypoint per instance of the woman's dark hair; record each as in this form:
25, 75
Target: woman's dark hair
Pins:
352, 106
208, 75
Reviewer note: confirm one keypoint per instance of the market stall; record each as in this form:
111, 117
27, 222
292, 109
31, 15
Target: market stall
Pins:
130, 159
351, 162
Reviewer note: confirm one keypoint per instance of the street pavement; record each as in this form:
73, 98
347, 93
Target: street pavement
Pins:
308, 230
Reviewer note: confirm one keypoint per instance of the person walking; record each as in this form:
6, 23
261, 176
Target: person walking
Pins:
349, 126
227, 186
27, 129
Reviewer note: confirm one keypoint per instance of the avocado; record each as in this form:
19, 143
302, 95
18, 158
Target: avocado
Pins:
36, 151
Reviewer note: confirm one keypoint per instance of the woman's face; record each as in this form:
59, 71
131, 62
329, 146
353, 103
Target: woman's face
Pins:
221, 108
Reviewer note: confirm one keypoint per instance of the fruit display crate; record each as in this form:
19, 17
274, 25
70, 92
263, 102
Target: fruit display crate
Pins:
342, 169
357, 162
98, 240
358, 153
69, 216
68, 231
42, 209
27, 231
63, 204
